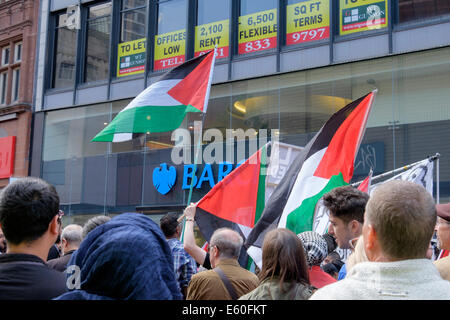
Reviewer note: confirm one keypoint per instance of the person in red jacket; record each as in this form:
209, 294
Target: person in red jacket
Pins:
316, 249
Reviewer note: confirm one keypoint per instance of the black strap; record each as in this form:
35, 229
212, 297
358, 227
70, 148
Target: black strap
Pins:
227, 283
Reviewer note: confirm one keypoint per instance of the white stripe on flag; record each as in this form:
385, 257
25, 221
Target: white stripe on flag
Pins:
306, 186
156, 95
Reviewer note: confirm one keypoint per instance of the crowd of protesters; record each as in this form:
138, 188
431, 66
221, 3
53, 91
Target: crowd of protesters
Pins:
394, 236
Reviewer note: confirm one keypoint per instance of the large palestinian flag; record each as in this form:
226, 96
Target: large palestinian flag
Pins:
237, 201
163, 105
324, 164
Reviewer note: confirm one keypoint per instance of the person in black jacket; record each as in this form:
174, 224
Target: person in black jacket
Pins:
71, 238
31, 221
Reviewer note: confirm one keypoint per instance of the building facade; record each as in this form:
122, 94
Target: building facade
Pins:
18, 31
284, 66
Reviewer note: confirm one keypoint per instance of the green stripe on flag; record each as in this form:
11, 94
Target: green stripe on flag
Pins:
145, 119
261, 195
302, 218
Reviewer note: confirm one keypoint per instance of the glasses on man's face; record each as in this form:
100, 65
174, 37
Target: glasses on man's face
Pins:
353, 243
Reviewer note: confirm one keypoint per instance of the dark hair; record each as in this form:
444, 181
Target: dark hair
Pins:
346, 203
284, 258
331, 242
169, 224
93, 223
330, 268
27, 206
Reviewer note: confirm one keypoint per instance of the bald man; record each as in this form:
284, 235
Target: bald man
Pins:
71, 238
228, 280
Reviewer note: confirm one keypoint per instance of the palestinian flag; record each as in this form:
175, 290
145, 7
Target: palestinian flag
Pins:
237, 201
324, 164
163, 105
365, 185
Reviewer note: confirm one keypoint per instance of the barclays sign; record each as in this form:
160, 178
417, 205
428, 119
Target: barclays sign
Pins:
164, 177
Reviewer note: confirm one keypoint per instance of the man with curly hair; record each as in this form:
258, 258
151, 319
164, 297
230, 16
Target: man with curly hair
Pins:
346, 206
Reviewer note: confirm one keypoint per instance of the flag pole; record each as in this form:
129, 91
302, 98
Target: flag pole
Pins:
199, 143
404, 168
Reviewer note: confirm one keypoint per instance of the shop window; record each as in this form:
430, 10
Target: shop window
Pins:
97, 45
257, 26
213, 26
65, 44
307, 21
170, 39
131, 53
413, 10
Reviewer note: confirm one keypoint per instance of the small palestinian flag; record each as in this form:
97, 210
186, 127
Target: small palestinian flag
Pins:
365, 185
163, 105
324, 164
237, 201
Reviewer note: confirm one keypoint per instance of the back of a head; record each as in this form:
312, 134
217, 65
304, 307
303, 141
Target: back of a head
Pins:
283, 257
27, 207
93, 223
126, 258
169, 224
73, 234
315, 247
228, 241
357, 256
403, 215
347, 203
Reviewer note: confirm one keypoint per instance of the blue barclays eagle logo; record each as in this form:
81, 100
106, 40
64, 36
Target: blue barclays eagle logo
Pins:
164, 178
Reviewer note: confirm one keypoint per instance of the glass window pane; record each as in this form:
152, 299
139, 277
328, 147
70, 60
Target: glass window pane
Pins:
170, 41
18, 52
65, 57
16, 82
130, 4
97, 49
307, 21
213, 21
133, 25
3, 86
5, 56
71, 162
100, 10
257, 26
412, 10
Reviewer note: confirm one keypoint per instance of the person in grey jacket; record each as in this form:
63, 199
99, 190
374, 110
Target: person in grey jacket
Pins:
398, 225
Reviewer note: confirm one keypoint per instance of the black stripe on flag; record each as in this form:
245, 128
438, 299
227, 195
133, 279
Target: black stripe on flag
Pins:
208, 223
182, 71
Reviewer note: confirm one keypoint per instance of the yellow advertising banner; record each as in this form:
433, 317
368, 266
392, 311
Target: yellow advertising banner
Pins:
131, 57
170, 49
207, 36
362, 15
307, 21
258, 31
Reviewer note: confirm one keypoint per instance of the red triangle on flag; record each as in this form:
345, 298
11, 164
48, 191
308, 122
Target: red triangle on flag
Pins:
234, 198
341, 151
192, 90
365, 185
